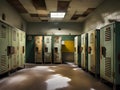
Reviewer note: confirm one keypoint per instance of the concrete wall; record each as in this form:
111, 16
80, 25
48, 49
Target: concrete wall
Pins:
12, 17
52, 28
109, 9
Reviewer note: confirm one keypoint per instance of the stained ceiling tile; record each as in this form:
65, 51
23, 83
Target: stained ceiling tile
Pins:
62, 5
88, 11
34, 15
17, 5
39, 4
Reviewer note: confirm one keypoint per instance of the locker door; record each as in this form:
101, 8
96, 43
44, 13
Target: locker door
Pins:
4, 32
76, 50
47, 49
21, 47
24, 48
57, 49
38, 49
106, 60
14, 48
17, 47
91, 51
83, 51
10, 46
20, 42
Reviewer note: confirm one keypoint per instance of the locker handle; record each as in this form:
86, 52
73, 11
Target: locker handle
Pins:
46, 49
8, 50
36, 49
55, 49
103, 51
23, 49
89, 50
81, 48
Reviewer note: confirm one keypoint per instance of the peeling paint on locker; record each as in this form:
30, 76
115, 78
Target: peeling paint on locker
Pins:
38, 49
93, 51
110, 51
47, 49
57, 49
84, 54
76, 50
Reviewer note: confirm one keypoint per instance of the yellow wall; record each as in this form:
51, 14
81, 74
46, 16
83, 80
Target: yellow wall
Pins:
68, 46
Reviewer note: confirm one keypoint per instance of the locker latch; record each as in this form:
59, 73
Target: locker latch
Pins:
104, 51
10, 50
81, 48
23, 49
89, 50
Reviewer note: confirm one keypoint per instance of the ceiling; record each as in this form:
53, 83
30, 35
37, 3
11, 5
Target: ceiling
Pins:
39, 10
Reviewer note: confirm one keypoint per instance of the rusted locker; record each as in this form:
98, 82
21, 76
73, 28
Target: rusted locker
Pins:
84, 51
47, 49
93, 51
76, 50
38, 49
57, 49
110, 53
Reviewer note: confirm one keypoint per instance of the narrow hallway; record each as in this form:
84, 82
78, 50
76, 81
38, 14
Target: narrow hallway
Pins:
51, 77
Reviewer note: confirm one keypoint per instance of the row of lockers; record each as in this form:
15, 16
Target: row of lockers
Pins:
100, 52
12, 48
47, 49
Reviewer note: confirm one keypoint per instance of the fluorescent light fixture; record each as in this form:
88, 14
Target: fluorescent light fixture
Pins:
57, 14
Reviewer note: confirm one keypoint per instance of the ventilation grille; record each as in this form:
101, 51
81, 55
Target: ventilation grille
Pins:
14, 35
3, 32
3, 64
107, 34
108, 67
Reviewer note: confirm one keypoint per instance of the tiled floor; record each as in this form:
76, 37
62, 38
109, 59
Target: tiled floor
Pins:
51, 77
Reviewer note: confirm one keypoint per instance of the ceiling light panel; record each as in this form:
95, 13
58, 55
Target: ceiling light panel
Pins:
57, 14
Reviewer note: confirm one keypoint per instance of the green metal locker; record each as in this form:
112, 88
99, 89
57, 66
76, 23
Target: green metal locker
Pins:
22, 38
76, 50
20, 52
10, 48
93, 51
15, 45
84, 51
38, 49
4, 49
47, 49
23, 47
57, 49
110, 53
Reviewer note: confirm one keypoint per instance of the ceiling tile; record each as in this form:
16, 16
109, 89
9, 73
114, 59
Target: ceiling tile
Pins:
39, 4
18, 6
62, 5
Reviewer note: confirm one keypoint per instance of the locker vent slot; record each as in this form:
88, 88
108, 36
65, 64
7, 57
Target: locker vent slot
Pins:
3, 63
14, 35
107, 34
108, 67
2, 33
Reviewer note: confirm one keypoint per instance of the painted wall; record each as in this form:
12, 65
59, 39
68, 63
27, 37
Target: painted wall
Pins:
12, 17
67, 28
109, 9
